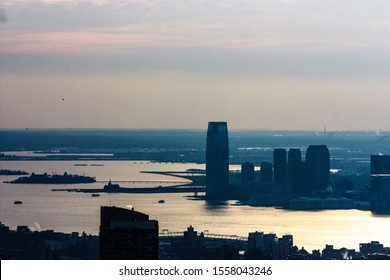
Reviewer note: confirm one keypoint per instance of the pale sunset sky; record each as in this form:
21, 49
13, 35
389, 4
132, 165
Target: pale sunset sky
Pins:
264, 64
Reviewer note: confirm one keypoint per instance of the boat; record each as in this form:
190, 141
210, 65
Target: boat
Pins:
161, 201
18, 202
95, 195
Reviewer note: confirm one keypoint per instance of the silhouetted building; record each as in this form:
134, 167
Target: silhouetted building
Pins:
374, 247
246, 188
380, 164
380, 192
217, 161
262, 246
127, 234
285, 246
280, 166
318, 166
294, 171
266, 172
247, 173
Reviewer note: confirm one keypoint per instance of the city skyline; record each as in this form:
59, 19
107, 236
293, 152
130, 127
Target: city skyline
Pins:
295, 65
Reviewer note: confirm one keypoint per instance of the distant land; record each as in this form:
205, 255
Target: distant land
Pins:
12, 172
53, 179
182, 145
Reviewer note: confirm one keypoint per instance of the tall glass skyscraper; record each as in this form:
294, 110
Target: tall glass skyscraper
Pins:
280, 166
318, 165
217, 161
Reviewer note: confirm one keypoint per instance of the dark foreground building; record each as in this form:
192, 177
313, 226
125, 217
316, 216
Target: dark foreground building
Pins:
217, 161
127, 235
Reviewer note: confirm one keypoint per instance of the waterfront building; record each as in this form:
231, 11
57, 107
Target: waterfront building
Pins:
246, 188
127, 235
380, 192
380, 164
280, 166
295, 172
247, 173
266, 172
318, 166
217, 161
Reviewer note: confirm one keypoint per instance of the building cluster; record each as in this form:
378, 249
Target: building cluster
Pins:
24, 244
292, 181
126, 234
288, 177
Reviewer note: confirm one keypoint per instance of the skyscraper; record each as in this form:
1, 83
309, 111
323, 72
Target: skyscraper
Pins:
280, 166
318, 165
380, 192
127, 235
294, 171
380, 183
266, 172
247, 173
380, 164
217, 161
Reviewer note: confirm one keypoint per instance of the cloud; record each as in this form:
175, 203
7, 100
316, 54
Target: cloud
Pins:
3, 16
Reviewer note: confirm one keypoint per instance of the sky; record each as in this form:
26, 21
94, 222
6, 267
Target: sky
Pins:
257, 64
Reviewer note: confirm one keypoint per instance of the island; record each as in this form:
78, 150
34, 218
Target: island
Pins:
12, 172
54, 179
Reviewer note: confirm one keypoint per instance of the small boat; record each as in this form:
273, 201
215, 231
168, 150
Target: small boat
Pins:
95, 195
18, 202
161, 201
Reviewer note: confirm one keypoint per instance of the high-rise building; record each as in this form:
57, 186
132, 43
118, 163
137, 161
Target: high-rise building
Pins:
247, 173
217, 161
280, 166
318, 167
266, 172
127, 235
247, 186
380, 192
380, 164
295, 171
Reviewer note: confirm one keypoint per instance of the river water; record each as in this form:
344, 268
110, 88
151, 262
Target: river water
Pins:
69, 211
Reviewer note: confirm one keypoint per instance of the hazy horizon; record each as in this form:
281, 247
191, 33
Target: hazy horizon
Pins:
294, 65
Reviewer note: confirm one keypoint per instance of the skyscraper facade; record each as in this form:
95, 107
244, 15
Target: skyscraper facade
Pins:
247, 173
280, 166
318, 166
217, 161
380, 192
380, 183
266, 172
380, 164
294, 171
127, 235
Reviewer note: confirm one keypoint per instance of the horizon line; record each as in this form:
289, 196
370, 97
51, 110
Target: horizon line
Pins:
193, 129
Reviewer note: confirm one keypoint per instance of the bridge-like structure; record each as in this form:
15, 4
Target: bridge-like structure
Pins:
167, 234
145, 182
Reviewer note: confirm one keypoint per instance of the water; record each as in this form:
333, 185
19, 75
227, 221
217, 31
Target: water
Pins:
69, 211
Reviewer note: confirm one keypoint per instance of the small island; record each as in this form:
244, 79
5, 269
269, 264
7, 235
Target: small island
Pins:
12, 172
54, 179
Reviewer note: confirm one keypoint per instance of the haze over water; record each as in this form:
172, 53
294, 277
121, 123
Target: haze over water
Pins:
69, 211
